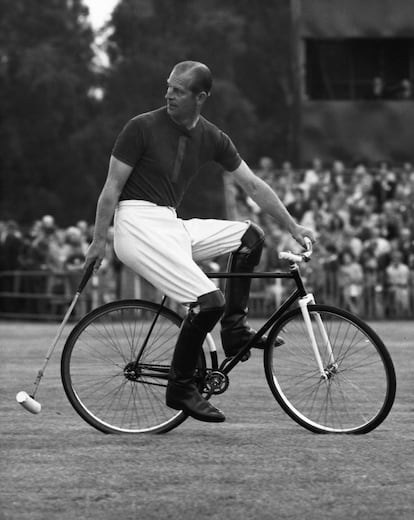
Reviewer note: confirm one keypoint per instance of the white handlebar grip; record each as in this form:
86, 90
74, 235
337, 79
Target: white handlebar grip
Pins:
287, 255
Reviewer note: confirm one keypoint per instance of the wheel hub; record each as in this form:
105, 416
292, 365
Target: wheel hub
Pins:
132, 372
331, 370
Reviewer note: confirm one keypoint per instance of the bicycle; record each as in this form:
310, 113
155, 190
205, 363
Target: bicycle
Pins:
332, 373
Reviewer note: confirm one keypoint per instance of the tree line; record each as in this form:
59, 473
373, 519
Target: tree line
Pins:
60, 110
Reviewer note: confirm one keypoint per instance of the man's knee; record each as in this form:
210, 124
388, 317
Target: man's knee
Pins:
206, 312
252, 244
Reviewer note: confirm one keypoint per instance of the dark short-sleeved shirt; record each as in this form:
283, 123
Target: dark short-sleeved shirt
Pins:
166, 156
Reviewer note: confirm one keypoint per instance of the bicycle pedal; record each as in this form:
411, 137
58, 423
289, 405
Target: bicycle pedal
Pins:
246, 356
228, 359
279, 342
243, 359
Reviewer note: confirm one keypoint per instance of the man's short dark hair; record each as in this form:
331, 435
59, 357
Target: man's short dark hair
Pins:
202, 79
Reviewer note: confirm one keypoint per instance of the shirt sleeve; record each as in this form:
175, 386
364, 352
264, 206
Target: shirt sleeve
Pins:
227, 154
129, 144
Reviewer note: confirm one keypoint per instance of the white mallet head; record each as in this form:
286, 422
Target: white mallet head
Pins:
28, 402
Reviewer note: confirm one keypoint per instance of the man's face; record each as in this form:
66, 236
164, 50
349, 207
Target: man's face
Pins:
182, 103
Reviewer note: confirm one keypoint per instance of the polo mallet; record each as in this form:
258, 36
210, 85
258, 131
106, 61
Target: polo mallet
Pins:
28, 401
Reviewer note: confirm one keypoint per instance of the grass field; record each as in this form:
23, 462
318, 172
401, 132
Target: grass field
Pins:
259, 464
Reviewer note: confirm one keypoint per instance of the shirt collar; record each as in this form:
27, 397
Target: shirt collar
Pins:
179, 127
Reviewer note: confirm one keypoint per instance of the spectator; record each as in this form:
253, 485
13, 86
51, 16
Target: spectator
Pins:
74, 249
338, 204
377, 89
247, 209
361, 186
403, 187
266, 170
390, 221
284, 183
299, 206
315, 216
381, 248
47, 244
11, 247
336, 227
373, 290
351, 241
350, 280
338, 176
405, 90
383, 186
330, 262
405, 244
398, 278
85, 230
313, 176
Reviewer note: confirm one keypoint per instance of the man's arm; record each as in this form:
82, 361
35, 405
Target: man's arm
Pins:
118, 174
269, 202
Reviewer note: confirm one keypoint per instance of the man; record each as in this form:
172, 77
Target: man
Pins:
153, 160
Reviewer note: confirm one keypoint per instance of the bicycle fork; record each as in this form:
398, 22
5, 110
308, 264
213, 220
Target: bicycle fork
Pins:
325, 373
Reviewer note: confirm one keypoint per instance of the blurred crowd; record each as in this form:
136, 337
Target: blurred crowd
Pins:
379, 89
57, 252
43, 246
362, 216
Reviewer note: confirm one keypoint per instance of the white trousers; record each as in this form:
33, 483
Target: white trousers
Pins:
162, 248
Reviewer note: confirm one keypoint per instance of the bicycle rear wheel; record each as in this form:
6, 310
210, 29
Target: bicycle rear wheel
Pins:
101, 378
359, 388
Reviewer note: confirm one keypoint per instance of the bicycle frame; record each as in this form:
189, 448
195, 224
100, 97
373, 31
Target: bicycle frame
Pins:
299, 293
304, 299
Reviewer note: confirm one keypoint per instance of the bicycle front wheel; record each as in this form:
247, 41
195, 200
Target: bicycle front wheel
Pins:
355, 390
115, 366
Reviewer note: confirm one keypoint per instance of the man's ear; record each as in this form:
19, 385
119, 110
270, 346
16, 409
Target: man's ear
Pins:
202, 96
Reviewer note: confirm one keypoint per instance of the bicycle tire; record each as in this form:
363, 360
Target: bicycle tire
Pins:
359, 390
97, 367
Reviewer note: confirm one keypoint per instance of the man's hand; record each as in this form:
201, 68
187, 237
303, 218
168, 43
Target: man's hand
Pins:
95, 254
300, 233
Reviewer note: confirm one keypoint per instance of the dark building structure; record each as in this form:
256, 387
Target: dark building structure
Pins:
355, 71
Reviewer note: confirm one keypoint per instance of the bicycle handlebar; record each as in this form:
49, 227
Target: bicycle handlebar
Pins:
296, 258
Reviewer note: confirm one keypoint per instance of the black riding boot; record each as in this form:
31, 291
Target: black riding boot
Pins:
182, 392
235, 331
